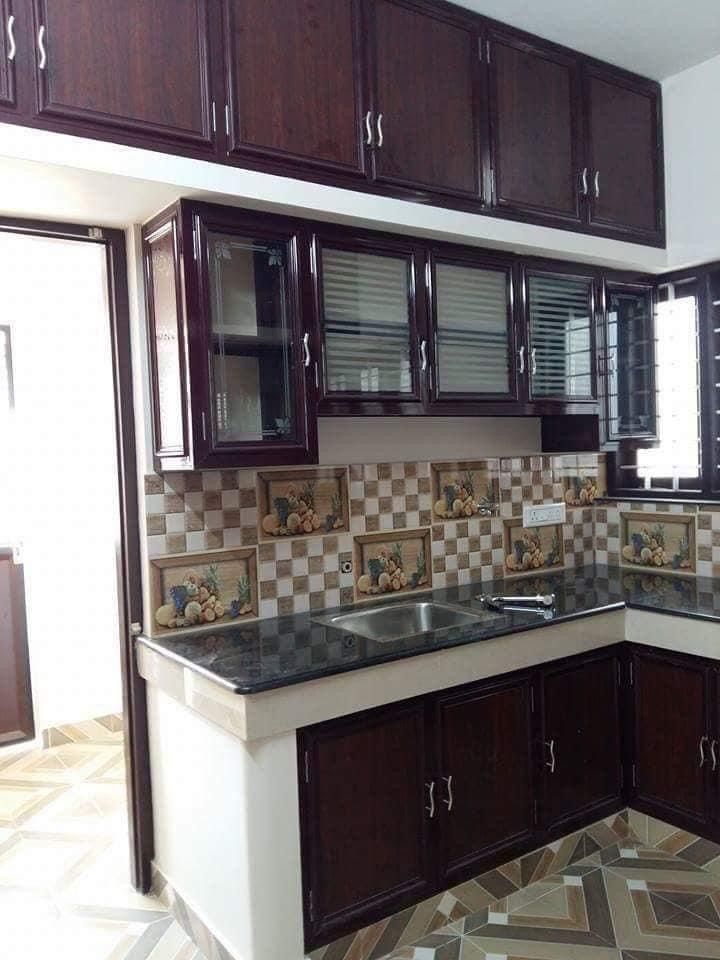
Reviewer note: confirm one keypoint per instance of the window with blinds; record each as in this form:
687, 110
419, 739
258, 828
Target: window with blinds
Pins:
366, 320
559, 310
7, 397
472, 330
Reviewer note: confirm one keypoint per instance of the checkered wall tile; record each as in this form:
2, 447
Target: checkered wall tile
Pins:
389, 496
527, 480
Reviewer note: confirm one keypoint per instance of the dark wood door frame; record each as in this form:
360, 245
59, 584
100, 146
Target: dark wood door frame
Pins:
130, 611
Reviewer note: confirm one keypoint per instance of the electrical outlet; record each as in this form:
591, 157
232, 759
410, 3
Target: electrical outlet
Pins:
543, 514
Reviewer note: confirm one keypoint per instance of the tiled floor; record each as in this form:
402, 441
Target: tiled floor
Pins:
629, 902
64, 887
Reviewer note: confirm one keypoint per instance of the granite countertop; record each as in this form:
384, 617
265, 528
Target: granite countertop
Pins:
267, 654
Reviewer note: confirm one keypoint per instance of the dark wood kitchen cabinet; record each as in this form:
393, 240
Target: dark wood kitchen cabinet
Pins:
10, 33
295, 93
536, 122
673, 736
485, 774
230, 355
581, 766
130, 68
624, 154
366, 793
424, 128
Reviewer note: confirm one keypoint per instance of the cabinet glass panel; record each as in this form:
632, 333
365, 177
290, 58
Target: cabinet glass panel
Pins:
366, 322
251, 339
560, 336
629, 364
472, 330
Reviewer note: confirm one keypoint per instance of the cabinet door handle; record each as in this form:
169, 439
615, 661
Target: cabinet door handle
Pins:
583, 177
449, 801
551, 763
42, 62
306, 350
368, 128
12, 46
713, 754
380, 130
521, 355
701, 747
533, 362
431, 796
423, 355
597, 184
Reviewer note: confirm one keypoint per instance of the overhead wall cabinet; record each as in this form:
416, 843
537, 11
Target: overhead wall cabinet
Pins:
415, 99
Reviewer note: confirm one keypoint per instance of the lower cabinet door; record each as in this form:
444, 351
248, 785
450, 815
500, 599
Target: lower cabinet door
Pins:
671, 737
366, 804
581, 748
485, 774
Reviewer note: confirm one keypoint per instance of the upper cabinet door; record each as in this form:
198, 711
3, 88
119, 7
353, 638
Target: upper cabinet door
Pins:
294, 81
624, 155
425, 128
9, 35
534, 104
134, 66
473, 331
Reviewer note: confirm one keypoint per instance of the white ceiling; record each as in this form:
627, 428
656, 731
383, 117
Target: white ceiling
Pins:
656, 38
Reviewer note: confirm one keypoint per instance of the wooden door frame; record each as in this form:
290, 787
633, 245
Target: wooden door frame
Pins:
137, 756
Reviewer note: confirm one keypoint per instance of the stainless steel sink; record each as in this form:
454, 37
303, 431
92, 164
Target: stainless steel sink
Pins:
397, 621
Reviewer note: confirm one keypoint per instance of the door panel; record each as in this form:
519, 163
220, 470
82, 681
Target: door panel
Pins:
364, 809
137, 66
581, 739
534, 110
16, 714
295, 92
623, 155
671, 720
485, 768
10, 34
425, 100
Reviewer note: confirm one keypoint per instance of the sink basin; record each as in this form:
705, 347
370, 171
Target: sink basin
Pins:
399, 620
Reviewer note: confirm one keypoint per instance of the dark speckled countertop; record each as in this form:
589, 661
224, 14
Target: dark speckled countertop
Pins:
267, 654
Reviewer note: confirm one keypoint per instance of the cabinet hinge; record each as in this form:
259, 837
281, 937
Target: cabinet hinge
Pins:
487, 51
535, 812
213, 118
310, 905
227, 120
661, 213
634, 776
631, 674
203, 426
481, 48
532, 699
95, 233
307, 766
619, 673
196, 250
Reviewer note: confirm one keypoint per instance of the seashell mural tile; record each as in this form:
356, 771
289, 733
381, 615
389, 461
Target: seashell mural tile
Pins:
296, 503
658, 541
528, 549
391, 563
465, 489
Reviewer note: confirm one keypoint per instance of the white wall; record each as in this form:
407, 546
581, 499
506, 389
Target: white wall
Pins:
692, 164
60, 473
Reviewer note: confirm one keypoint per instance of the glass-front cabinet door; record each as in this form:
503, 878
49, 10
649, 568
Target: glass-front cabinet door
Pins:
366, 308
473, 333
627, 362
257, 355
560, 314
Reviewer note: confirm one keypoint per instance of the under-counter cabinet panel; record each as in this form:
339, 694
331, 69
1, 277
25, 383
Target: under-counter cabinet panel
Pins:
424, 130
535, 118
367, 801
624, 154
9, 35
138, 67
484, 782
295, 93
672, 737
582, 771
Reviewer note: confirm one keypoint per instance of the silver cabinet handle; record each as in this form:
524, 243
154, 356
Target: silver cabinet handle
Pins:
583, 177
12, 46
42, 63
423, 355
368, 128
551, 745
306, 350
431, 796
521, 354
597, 184
449, 801
703, 741
380, 130
713, 754
533, 362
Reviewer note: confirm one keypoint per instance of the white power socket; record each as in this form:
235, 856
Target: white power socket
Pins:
543, 514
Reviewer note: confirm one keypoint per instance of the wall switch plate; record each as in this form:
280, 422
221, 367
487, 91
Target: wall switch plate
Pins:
543, 514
